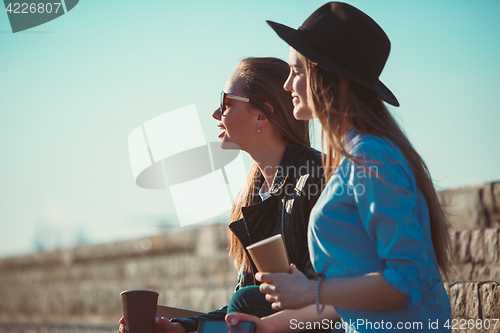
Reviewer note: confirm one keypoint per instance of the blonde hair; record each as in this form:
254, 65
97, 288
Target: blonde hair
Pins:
264, 78
340, 103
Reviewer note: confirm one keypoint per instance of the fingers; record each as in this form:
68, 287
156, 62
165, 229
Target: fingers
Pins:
294, 270
234, 318
270, 298
269, 290
266, 277
266, 288
162, 321
121, 329
276, 306
271, 277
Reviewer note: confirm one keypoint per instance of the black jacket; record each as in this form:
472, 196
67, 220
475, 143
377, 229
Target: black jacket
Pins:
298, 183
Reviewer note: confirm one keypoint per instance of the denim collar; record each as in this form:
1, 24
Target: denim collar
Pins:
350, 138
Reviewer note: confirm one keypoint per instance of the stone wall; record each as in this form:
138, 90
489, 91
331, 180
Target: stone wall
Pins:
77, 290
474, 214
476, 255
474, 305
473, 207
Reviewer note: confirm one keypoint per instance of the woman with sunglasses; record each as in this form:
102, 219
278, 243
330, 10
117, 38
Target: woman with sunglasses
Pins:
283, 184
377, 235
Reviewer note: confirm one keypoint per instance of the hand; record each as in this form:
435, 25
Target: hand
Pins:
262, 326
162, 325
287, 291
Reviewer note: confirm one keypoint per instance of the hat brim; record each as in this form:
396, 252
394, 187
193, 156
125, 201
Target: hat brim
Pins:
299, 42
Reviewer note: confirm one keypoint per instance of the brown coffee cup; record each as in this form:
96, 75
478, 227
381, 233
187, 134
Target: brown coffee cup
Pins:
139, 310
269, 255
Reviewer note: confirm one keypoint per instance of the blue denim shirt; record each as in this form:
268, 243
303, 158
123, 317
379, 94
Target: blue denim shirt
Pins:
363, 223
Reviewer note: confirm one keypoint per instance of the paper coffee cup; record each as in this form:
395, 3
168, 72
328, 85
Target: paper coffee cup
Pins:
269, 255
139, 310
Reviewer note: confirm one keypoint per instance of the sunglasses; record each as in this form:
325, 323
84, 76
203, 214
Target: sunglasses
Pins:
224, 97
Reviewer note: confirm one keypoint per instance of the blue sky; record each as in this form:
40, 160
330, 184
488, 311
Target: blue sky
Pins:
73, 89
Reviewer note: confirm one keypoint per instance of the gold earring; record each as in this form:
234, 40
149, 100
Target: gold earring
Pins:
259, 130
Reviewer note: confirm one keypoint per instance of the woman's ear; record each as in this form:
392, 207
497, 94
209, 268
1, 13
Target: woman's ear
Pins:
261, 120
269, 107
261, 117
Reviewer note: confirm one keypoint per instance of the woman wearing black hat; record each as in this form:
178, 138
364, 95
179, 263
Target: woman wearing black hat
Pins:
377, 235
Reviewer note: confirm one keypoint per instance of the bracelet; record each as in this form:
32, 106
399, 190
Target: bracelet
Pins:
320, 278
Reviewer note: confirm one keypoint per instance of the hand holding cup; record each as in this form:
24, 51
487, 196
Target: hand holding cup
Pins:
269, 255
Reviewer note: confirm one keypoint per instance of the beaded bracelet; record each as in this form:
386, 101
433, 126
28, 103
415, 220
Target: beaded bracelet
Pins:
320, 278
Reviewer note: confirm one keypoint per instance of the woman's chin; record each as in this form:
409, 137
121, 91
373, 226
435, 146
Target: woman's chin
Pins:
229, 145
226, 144
302, 113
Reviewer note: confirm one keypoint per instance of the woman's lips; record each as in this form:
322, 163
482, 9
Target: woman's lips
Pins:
223, 128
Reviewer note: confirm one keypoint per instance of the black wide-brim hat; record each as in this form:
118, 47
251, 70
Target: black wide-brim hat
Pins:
344, 40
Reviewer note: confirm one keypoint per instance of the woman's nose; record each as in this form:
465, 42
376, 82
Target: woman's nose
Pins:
217, 114
288, 84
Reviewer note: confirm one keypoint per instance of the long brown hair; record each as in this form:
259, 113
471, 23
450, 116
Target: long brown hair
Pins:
340, 103
264, 78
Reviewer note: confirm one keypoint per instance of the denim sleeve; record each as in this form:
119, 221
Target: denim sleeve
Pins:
386, 200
